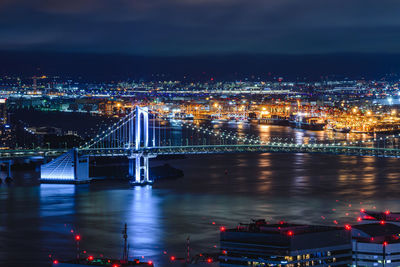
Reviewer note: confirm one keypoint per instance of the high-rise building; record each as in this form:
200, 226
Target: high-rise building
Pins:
3, 111
283, 244
34, 85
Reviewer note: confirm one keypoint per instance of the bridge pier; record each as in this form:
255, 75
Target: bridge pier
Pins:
139, 168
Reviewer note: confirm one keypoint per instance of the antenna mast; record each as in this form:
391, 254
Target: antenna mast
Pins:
125, 236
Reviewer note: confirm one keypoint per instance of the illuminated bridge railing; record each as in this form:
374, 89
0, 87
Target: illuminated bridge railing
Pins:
270, 148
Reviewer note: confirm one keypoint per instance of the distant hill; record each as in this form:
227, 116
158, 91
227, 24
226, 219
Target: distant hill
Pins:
107, 67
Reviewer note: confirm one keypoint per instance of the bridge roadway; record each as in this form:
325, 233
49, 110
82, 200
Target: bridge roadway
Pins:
210, 149
30, 153
221, 149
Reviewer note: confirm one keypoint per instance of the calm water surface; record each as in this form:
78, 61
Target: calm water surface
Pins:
36, 220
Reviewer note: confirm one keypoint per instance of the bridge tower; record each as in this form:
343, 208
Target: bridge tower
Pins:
138, 144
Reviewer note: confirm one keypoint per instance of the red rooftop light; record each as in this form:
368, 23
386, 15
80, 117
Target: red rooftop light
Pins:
367, 217
385, 243
149, 262
222, 228
362, 210
55, 262
347, 227
90, 258
290, 233
387, 212
172, 258
209, 260
382, 222
77, 237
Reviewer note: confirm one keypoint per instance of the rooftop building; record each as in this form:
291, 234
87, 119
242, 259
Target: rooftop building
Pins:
379, 217
376, 244
263, 244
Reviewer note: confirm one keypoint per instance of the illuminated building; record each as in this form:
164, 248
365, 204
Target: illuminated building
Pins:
3, 111
283, 244
5, 128
376, 244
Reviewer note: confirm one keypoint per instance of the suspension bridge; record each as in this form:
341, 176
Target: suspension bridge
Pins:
143, 134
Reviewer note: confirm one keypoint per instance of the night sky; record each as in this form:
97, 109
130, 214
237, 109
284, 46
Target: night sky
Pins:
193, 27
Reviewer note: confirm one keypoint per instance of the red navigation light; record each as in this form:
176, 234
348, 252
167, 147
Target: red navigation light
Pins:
172, 258
222, 228
90, 258
290, 233
77, 237
149, 262
387, 212
347, 227
55, 262
385, 243
382, 222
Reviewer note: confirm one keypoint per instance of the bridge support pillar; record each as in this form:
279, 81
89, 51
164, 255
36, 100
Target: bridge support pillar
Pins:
139, 169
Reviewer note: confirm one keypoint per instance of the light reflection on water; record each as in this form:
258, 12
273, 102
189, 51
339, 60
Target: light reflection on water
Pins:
144, 221
303, 188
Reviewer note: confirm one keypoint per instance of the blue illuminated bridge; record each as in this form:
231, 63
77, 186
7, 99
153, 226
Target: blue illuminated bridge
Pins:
143, 134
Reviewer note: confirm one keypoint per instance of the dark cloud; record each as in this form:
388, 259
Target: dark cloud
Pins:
173, 27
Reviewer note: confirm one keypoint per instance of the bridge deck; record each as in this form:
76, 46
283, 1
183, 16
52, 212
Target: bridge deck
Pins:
212, 149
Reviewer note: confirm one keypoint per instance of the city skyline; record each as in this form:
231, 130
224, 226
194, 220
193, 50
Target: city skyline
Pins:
216, 133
